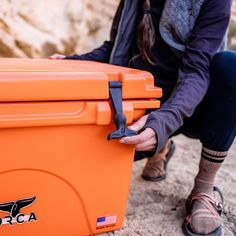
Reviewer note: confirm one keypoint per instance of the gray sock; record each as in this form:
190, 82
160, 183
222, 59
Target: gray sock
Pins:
209, 165
205, 221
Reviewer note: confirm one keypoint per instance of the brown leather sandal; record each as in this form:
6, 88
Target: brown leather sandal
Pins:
212, 209
156, 167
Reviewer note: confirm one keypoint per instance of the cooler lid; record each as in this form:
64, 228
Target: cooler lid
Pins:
51, 80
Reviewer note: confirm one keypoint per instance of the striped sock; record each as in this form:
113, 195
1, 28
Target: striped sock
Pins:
209, 165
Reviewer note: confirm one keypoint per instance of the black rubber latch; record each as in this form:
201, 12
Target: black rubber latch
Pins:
119, 118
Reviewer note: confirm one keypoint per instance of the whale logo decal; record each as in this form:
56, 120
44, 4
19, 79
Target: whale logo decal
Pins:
15, 216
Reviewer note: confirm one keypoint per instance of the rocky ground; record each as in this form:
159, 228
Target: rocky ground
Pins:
157, 209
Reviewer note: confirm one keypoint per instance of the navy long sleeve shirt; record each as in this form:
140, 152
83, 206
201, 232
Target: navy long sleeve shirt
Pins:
192, 72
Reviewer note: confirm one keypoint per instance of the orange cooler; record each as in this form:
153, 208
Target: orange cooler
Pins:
59, 174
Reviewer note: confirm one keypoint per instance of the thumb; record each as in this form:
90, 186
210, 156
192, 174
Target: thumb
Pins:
138, 125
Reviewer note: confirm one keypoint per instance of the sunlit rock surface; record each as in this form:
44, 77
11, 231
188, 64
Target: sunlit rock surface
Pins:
39, 28
31, 28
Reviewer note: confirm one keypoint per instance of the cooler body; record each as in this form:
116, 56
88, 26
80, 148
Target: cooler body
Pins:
59, 174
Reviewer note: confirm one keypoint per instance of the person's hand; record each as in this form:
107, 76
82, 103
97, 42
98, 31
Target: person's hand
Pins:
57, 56
144, 141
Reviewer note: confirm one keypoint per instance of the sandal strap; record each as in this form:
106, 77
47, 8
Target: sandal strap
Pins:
220, 205
204, 213
208, 201
213, 209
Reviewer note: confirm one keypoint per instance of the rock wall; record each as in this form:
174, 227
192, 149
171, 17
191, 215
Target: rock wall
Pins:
31, 28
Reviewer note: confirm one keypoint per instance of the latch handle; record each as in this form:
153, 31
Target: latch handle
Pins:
119, 119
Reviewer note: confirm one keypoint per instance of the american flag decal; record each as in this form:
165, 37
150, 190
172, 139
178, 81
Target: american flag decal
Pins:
106, 221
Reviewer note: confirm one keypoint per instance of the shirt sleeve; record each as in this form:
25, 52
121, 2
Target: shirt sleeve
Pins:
103, 53
194, 72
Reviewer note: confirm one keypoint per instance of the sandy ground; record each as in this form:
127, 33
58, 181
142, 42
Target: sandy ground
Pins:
157, 209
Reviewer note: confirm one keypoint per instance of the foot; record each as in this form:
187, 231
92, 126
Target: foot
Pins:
203, 215
155, 168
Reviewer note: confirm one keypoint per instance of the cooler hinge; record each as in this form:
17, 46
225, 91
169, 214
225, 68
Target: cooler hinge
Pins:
119, 118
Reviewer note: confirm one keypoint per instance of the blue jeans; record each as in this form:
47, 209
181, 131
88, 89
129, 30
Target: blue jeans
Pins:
214, 120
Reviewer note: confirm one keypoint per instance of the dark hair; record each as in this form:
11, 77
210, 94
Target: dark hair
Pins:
146, 34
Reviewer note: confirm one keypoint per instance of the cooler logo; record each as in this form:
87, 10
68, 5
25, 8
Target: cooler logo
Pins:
13, 208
